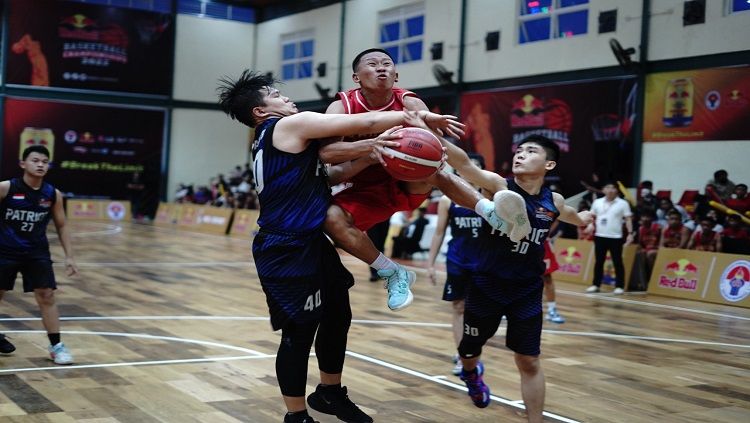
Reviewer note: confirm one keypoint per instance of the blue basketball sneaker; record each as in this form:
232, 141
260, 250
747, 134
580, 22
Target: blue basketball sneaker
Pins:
478, 391
397, 282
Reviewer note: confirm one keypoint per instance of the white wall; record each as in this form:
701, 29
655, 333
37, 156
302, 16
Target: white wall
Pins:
689, 165
207, 49
204, 143
555, 55
442, 24
325, 23
721, 33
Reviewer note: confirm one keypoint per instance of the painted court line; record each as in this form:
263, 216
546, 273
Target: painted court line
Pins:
449, 384
138, 363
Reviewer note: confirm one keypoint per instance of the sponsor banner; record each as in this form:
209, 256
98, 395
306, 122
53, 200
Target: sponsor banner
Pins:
114, 211
199, 218
697, 105
167, 214
245, 223
95, 149
70, 44
576, 259
587, 119
704, 276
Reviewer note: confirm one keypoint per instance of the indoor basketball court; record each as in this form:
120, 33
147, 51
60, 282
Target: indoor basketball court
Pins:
182, 156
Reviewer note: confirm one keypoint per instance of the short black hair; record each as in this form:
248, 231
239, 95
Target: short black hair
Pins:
34, 149
356, 60
720, 172
741, 186
674, 212
479, 158
648, 184
550, 147
237, 98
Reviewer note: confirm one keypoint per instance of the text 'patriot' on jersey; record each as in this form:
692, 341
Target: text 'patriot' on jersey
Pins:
463, 248
523, 260
25, 214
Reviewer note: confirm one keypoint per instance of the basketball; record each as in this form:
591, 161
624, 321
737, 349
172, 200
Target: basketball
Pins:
417, 158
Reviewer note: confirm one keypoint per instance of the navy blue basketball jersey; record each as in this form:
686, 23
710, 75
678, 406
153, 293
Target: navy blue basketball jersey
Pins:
465, 226
524, 260
294, 197
25, 214
292, 188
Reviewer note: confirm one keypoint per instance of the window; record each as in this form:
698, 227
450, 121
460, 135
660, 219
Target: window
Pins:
735, 6
297, 51
402, 32
545, 19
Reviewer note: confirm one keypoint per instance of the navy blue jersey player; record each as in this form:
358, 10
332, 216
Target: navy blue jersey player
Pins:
26, 206
461, 256
301, 274
508, 279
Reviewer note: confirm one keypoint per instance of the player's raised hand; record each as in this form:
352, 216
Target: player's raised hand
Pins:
379, 144
442, 124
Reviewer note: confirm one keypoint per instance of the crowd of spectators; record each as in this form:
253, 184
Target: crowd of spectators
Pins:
235, 190
715, 220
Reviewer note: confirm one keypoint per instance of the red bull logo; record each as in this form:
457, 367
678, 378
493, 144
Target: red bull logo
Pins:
528, 112
85, 209
734, 284
79, 27
37, 136
570, 261
685, 276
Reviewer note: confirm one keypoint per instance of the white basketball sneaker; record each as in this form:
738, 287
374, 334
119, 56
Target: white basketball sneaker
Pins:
511, 208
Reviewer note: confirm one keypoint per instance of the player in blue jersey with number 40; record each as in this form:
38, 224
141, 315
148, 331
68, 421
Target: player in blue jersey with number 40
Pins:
26, 206
306, 285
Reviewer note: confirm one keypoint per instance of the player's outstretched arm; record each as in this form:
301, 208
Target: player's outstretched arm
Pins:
569, 215
459, 160
438, 237
63, 232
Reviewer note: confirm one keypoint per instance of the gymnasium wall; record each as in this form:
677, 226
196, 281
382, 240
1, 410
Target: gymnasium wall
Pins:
584, 51
689, 165
721, 32
203, 144
324, 24
207, 49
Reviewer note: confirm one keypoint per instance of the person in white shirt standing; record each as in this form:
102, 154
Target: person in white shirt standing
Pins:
610, 212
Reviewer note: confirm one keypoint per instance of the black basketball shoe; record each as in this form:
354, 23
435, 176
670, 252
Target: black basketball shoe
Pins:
334, 400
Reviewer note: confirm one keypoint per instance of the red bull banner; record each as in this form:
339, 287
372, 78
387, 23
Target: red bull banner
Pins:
74, 45
576, 259
245, 223
95, 149
697, 275
166, 214
194, 217
698, 105
586, 119
114, 211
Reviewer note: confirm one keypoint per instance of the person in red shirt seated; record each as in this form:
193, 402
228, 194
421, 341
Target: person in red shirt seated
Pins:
706, 239
739, 201
649, 234
735, 238
675, 234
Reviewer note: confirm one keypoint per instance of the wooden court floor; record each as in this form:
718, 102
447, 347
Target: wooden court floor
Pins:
171, 326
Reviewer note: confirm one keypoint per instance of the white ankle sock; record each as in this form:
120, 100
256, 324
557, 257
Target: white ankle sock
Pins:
551, 305
383, 262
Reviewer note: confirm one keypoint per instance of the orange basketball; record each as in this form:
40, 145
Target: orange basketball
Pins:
417, 158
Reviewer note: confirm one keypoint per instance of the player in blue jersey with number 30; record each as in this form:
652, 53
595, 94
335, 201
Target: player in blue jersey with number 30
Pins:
305, 283
507, 280
26, 206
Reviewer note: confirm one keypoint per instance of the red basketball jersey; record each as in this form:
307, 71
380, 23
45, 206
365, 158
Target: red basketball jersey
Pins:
354, 102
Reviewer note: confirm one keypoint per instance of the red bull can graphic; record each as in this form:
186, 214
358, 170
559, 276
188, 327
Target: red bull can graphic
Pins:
681, 275
678, 103
37, 136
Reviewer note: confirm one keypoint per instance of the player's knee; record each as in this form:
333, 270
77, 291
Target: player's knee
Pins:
45, 297
529, 364
337, 222
470, 348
